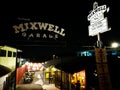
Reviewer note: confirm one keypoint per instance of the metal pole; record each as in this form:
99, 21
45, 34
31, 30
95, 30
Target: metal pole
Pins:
16, 68
61, 76
99, 44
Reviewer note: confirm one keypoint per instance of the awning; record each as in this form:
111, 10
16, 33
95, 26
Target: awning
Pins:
4, 70
71, 64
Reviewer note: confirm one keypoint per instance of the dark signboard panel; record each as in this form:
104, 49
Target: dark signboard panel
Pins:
35, 36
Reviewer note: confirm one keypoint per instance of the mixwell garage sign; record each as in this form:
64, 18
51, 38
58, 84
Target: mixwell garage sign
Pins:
38, 31
38, 38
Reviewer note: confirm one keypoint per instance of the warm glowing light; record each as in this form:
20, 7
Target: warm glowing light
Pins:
54, 69
47, 69
114, 45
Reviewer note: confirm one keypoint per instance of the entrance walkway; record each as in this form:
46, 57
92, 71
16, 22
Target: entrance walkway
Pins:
37, 84
50, 87
38, 80
29, 87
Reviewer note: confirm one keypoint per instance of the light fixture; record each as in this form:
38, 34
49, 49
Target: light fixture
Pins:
114, 45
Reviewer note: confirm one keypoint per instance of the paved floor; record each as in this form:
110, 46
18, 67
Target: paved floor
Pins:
29, 87
50, 87
37, 84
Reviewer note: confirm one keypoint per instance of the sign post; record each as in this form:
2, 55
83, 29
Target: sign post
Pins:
98, 24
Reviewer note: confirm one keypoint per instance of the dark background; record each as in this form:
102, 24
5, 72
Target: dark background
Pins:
71, 15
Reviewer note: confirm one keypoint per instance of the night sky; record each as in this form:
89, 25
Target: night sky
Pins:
72, 16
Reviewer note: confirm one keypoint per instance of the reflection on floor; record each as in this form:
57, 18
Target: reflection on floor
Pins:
36, 84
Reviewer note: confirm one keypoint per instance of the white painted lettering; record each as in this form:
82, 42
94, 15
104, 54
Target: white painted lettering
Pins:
38, 26
44, 36
43, 26
19, 28
56, 30
33, 26
50, 28
61, 33
26, 26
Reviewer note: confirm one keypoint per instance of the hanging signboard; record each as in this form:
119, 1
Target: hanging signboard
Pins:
97, 13
98, 24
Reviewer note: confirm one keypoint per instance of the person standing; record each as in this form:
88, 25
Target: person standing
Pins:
78, 85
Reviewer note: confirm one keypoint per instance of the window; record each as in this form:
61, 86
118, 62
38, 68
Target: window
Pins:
3, 53
14, 54
9, 54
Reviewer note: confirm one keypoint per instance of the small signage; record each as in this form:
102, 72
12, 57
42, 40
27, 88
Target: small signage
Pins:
98, 27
